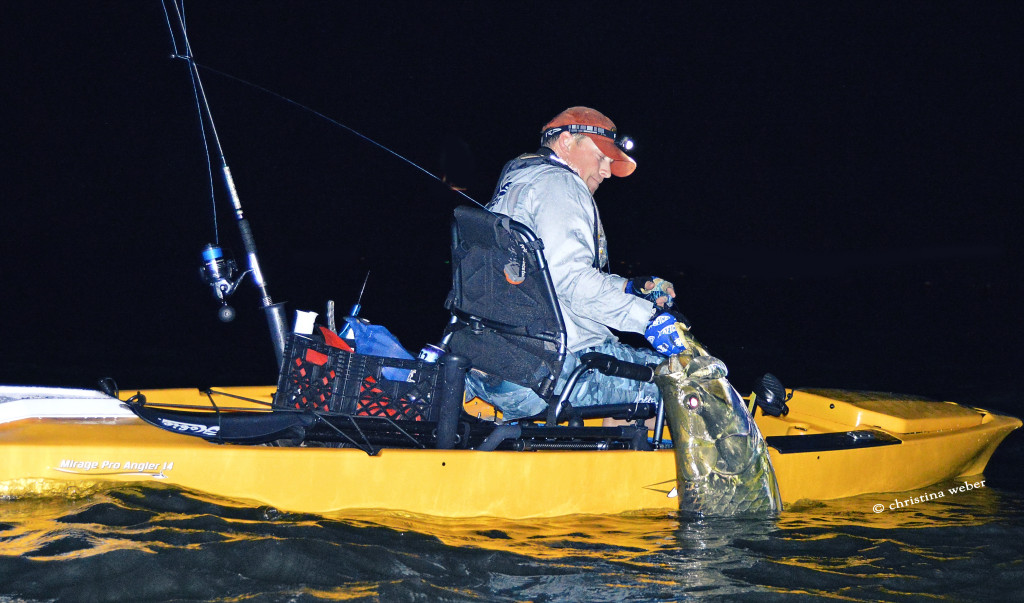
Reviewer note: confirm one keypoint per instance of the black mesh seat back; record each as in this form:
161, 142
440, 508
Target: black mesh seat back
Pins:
513, 331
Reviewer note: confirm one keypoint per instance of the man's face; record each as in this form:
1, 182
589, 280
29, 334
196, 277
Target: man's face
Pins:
589, 162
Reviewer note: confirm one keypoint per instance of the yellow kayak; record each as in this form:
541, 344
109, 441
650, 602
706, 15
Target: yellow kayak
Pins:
832, 444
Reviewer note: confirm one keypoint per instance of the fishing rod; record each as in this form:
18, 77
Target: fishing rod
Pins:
349, 129
216, 270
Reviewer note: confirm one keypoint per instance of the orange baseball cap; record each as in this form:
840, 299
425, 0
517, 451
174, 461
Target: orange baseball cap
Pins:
593, 124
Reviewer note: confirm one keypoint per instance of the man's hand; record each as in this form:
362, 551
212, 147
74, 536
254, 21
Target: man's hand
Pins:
656, 290
665, 332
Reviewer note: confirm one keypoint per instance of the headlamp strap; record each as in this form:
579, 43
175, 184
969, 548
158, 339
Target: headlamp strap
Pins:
580, 129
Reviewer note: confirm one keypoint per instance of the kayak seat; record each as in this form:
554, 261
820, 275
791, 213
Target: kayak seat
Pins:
505, 318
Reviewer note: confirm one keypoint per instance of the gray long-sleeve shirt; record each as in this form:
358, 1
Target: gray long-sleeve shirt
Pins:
556, 204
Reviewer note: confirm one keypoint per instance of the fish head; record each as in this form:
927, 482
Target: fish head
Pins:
722, 464
711, 420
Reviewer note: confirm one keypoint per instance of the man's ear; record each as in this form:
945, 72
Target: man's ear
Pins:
566, 141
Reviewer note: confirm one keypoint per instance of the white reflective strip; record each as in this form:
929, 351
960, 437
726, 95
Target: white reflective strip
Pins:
18, 403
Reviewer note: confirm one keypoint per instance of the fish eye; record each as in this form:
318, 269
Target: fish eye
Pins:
692, 402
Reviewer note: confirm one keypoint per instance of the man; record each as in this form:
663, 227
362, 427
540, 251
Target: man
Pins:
551, 191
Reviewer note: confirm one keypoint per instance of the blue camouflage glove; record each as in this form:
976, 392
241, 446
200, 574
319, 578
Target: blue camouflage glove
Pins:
665, 332
659, 289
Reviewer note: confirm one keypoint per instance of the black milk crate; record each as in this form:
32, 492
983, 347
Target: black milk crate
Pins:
323, 378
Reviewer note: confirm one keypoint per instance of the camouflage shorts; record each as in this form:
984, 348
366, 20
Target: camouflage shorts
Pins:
515, 401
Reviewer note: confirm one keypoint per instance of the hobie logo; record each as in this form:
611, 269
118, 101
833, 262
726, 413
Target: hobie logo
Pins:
191, 428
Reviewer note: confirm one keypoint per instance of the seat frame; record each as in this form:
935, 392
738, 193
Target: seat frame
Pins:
559, 408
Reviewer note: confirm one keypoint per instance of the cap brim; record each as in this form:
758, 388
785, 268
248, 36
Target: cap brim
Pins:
622, 164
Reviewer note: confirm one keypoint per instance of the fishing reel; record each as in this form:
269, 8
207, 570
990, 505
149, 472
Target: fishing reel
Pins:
217, 272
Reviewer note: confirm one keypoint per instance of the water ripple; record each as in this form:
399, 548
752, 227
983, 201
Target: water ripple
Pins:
160, 543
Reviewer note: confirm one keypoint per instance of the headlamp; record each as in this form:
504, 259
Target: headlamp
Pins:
624, 143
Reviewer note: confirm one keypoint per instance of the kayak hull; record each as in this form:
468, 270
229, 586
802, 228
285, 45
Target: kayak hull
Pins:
49, 448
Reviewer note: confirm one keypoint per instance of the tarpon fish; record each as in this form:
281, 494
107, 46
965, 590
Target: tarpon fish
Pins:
722, 463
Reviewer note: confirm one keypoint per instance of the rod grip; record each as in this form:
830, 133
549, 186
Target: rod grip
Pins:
276, 320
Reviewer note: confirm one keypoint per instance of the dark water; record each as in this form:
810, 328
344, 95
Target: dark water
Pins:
162, 544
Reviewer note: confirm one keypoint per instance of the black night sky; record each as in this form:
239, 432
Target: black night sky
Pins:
833, 187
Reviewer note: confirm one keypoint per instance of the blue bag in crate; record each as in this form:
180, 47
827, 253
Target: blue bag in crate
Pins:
376, 340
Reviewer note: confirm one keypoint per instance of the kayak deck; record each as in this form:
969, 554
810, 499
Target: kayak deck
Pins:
54, 452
